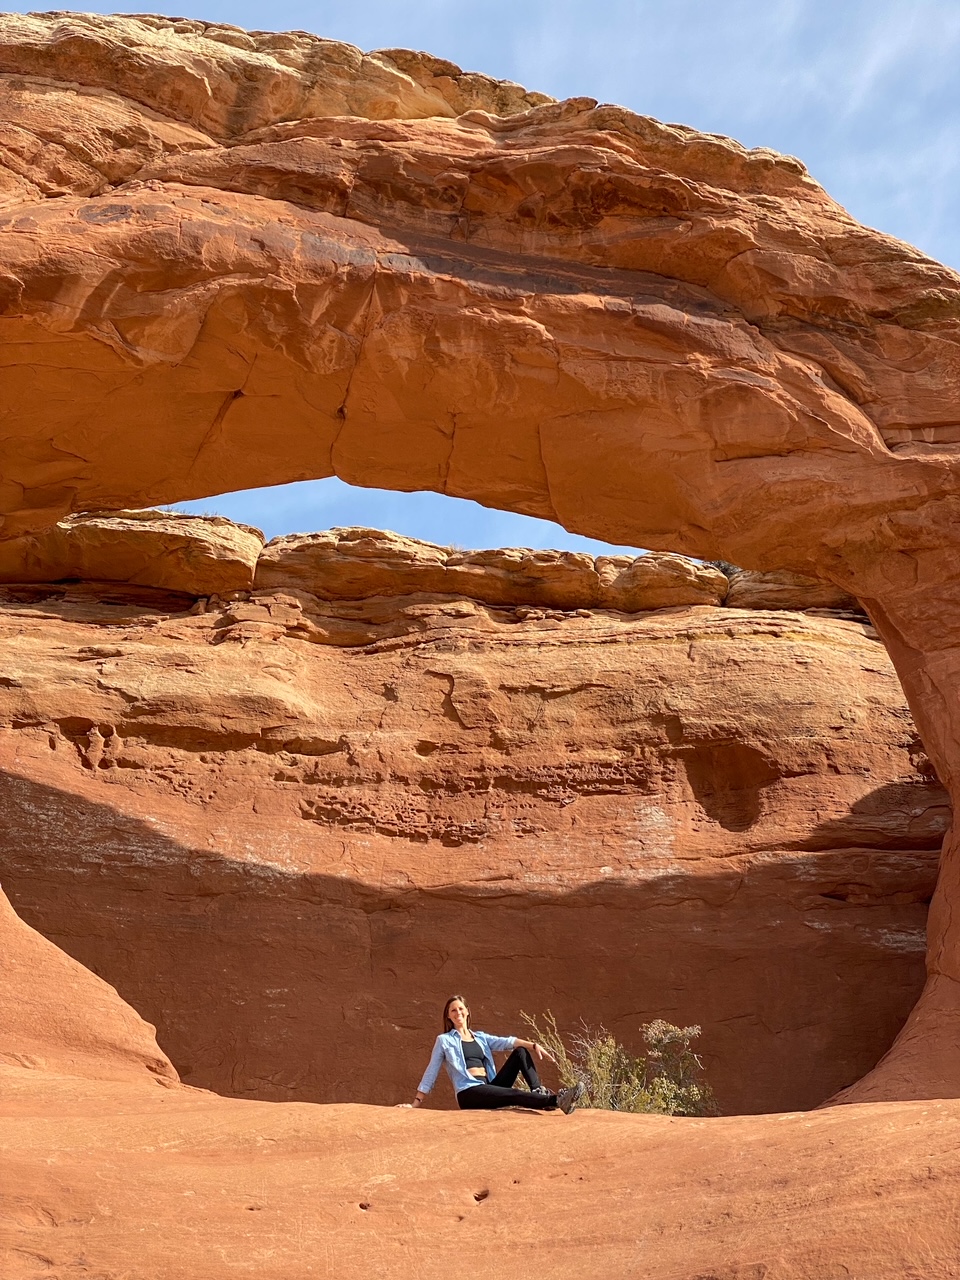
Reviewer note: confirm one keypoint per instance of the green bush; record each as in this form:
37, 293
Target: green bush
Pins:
667, 1080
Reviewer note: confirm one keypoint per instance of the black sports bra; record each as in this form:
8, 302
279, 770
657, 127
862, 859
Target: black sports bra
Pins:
473, 1055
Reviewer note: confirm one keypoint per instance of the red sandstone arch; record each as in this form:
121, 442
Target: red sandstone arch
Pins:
217, 273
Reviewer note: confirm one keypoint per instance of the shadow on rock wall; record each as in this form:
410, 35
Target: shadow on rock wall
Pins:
267, 984
897, 815
727, 780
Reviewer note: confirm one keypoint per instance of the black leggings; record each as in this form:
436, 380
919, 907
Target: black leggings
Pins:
499, 1092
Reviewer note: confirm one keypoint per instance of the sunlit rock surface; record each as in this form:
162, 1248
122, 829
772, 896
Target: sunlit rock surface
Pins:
197, 556
352, 564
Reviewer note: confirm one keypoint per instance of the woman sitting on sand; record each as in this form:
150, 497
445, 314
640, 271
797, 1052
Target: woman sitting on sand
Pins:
468, 1057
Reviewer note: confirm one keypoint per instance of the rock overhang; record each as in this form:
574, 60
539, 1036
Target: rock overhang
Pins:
670, 248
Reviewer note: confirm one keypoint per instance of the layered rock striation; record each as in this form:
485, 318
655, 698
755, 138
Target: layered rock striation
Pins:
357, 563
203, 556
284, 820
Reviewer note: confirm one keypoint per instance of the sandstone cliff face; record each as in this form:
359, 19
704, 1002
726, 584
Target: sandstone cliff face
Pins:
196, 556
283, 825
785, 591
351, 564
433, 280
102, 1166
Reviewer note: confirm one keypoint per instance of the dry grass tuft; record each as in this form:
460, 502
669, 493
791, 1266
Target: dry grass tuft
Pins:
667, 1080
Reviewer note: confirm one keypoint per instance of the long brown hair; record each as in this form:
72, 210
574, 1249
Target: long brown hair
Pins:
447, 1024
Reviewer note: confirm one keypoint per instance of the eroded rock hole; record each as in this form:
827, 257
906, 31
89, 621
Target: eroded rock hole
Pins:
359, 743
728, 780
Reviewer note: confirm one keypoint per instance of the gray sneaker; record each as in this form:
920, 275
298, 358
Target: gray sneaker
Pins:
568, 1098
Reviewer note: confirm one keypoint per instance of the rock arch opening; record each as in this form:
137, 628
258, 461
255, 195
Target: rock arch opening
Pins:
306, 506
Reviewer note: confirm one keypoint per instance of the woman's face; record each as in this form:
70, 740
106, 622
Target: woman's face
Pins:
458, 1014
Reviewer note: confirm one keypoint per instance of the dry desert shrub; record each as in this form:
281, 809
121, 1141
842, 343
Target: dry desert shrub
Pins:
667, 1080
726, 568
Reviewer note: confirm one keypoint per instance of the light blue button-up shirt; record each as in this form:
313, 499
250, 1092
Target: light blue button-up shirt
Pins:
448, 1052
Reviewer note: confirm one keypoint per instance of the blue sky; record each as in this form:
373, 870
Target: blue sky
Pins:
865, 92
